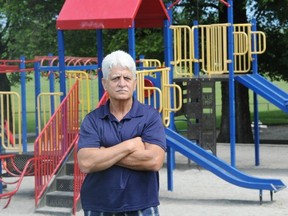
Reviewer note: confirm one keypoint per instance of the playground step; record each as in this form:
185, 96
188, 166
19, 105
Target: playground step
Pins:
69, 168
65, 183
57, 211
60, 199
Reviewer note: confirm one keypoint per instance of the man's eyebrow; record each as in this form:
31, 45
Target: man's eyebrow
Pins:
119, 75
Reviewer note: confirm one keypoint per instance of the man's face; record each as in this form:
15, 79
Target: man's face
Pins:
120, 84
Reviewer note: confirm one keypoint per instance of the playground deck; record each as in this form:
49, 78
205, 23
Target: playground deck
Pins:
198, 191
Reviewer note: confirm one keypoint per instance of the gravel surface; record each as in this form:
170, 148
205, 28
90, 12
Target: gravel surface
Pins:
198, 192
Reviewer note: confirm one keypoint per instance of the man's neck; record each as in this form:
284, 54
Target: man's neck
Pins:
120, 108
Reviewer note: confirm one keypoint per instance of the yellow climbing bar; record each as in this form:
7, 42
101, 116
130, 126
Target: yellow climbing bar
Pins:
159, 97
10, 121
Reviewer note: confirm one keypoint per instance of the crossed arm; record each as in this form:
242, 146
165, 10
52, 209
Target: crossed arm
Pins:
132, 154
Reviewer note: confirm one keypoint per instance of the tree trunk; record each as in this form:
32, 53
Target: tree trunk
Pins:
243, 120
242, 114
224, 133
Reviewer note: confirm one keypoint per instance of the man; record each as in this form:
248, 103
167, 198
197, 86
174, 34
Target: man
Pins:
121, 147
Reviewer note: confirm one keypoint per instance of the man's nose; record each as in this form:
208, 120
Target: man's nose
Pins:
121, 81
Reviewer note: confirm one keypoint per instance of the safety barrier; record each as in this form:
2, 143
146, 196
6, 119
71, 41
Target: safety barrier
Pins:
213, 47
44, 104
10, 121
44, 111
56, 140
159, 97
84, 90
183, 51
150, 63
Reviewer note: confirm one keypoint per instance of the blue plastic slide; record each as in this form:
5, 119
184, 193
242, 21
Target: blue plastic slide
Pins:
219, 167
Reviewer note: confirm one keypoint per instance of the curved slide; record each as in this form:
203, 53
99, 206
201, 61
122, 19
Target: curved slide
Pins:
220, 168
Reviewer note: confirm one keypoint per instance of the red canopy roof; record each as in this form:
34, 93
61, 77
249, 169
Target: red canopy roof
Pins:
108, 14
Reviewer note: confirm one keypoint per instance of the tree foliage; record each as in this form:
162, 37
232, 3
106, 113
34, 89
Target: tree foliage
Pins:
28, 28
273, 20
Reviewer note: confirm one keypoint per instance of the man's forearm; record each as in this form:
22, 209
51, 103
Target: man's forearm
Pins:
145, 160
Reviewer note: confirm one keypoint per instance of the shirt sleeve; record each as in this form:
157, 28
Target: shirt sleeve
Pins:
89, 135
154, 132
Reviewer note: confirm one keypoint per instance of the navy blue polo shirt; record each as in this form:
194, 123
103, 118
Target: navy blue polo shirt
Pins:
119, 189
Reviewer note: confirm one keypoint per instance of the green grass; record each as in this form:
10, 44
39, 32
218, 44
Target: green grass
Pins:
31, 103
268, 113
275, 117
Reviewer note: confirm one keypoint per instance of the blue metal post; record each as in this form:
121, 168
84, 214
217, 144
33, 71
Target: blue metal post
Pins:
168, 53
255, 100
231, 84
196, 49
170, 167
23, 101
131, 41
61, 56
37, 92
168, 57
100, 56
62, 68
51, 88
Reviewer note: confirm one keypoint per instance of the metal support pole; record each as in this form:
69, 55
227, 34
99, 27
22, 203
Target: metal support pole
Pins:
37, 92
61, 56
231, 84
255, 100
196, 49
168, 52
100, 56
23, 102
132, 43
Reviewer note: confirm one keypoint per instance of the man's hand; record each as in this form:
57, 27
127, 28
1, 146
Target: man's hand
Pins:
150, 158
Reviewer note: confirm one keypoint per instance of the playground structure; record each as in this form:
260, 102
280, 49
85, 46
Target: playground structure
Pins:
53, 156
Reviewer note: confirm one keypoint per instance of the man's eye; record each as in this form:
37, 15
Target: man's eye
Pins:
115, 78
127, 78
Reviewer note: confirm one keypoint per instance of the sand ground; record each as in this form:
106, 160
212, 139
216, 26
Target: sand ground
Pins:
197, 192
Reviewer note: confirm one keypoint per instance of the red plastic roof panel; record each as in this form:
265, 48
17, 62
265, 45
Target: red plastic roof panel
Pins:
107, 14
151, 14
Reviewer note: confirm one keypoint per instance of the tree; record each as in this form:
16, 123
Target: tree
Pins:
28, 28
273, 20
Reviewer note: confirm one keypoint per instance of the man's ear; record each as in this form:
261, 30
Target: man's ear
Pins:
104, 83
135, 86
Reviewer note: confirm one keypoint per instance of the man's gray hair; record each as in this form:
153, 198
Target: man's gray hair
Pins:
120, 59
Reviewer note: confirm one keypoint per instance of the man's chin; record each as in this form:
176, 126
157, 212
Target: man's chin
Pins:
123, 97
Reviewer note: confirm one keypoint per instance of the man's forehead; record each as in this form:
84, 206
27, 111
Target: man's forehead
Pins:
121, 72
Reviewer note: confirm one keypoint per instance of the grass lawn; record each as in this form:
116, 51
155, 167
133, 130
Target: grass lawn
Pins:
31, 102
268, 113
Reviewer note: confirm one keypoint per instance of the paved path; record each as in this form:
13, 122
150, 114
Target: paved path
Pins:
198, 192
